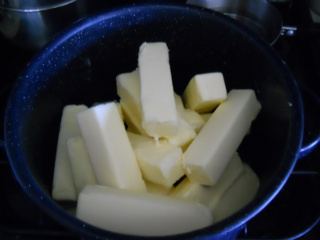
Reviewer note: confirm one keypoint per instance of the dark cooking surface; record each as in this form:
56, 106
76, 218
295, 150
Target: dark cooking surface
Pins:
293, 212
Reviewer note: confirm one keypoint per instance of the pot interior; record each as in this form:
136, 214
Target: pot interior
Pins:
80, 67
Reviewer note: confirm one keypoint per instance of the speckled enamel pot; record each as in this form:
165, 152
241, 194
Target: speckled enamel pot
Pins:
80, 65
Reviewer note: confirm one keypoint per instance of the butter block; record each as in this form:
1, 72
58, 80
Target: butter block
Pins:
133, 121
179, 103
128, 89
210, 195
184, 136
140, 214
189, 115
240, 193
233, 170
210, 152
159, 113
157, 189
160, 162
136, 140
205, 117
81, 167
120, 110
205, 92
63, 186
193, 118
117, 103
112, 157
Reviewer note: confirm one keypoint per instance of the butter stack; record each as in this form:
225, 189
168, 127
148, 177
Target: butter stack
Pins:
164, 161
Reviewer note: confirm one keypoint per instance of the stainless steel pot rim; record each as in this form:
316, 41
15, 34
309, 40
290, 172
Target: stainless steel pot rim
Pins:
33, 7
258, 15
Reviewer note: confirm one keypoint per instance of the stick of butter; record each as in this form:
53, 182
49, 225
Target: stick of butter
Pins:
210, 195
179, 103
109, 149
159, 114
205, 91
205, 117
136, 139
81, 168
160, 162
118, 106
233, 170
184, 136
140, 214
191, 116
63, 185
239, 194
157, 189
128, 89
210, 152
132, 120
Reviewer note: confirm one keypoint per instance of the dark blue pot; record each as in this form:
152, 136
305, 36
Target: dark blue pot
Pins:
80, 65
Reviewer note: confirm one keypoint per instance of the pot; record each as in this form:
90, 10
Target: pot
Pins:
31, 24
258, 15
315, 6
80, 65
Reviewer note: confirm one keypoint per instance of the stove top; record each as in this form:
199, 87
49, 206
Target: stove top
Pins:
293, 214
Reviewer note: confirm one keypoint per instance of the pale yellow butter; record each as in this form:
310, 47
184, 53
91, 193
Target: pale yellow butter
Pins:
160, 162
210, 195
128, 89
205, 91
210, 152
118, 105
140, 214
136, 140
238, 195
63, 185
157, 189
179, 103
109, 148
159, 114
184, 136
194, 119
132, 120
189, 115
233, 170
205, 117
81, 167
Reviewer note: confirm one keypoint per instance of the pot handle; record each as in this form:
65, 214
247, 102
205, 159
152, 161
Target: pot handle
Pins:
311, 105
288, 30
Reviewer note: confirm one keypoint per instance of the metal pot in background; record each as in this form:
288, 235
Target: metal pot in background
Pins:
315, 6
258, 15
31, 24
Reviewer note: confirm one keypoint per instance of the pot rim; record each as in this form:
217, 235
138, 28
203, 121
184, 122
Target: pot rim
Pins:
256, 15
34, 6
